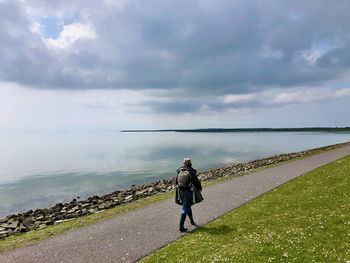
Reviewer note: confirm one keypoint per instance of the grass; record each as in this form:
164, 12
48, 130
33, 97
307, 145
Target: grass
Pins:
306, 220
37, 235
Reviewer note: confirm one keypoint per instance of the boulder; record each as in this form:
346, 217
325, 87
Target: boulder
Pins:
109, 205
40, 218
27, 222
128, 198
3, 234
10, 225
101, 207
42, 226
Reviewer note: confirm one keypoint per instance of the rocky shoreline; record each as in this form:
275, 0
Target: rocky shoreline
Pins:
41, 218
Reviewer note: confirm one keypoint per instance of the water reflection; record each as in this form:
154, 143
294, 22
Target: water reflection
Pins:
41, 169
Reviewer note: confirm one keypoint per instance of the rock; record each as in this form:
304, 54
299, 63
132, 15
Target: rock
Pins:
3, 234
10, 217
69, 216
37, 211
45, 211
40, 218
16, 231
49, 222
109, 205
128, 198
101, 207
32, 227
141, 193
27, 222
58, 217
10, 225
42, 226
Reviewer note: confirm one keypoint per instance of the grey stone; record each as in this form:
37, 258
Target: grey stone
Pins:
128, 198
40, 218
109, 205
9, 226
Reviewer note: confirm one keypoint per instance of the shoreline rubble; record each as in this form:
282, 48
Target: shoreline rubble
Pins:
60, 212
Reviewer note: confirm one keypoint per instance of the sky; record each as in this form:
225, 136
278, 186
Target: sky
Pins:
109, 65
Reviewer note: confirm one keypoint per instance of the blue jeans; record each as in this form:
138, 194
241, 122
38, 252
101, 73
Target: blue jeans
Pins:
186, 210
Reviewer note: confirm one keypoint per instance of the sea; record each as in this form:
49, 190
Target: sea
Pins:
38, 170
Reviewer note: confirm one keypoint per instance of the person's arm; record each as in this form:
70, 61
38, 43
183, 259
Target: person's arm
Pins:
177, 176
196, 181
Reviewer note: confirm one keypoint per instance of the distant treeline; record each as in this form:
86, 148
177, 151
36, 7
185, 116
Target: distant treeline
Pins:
310, 129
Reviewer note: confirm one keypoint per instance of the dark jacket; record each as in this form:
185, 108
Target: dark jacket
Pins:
185, 196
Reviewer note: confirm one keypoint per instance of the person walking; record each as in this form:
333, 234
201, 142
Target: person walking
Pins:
187, 192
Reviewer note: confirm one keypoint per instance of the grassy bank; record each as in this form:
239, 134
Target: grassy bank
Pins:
34, 236
306, 220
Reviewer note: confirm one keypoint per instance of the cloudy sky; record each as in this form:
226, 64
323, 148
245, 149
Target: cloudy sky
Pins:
121, 64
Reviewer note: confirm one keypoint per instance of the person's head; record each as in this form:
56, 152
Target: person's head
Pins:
187, 162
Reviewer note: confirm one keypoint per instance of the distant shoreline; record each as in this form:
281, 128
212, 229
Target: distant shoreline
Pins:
310, 129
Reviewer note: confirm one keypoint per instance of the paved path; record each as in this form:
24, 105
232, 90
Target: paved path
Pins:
133, 235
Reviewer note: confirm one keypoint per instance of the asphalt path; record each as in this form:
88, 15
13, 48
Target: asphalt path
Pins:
131, 236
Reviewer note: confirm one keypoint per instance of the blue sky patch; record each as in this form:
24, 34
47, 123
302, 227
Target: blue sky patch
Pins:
53, 26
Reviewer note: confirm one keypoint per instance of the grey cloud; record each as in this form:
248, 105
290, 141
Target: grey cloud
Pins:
200, 47
180, 106
339, 57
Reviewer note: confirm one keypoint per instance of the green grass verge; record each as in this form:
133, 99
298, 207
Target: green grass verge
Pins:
306, 220
37, 235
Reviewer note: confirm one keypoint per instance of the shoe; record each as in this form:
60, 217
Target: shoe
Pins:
182, 221
183, 229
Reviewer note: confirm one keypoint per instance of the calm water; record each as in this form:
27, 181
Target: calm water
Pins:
38, 170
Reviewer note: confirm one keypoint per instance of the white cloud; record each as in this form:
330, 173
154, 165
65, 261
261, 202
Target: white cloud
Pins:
304, 95
35, 28
238, 98
312, 56
71, 34
118, 4
342, 93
